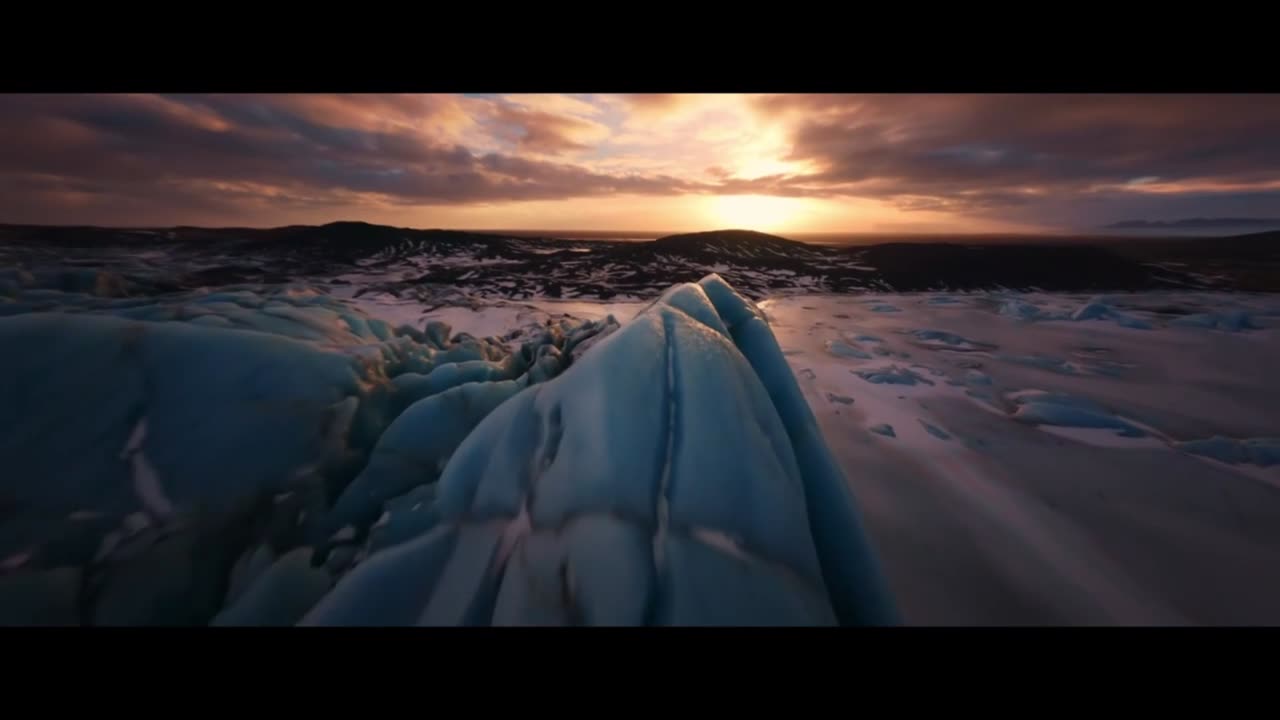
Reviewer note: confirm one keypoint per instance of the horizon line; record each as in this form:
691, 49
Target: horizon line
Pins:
459, 228
1104, 232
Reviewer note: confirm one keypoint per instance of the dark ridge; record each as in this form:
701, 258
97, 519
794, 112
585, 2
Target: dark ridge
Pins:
346, 241
343, 242
758, 264
726, 238
1268, 241
1195, 224
916, 266
73, 236
1253, 246
1249, 263
730, 240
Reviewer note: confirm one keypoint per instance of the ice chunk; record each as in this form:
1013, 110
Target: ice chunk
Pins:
638, 466
1060, 409
416, 447
934, 430
839, 348
1230, 321
1092, 311
1098, 309
892, 375
1263, 452
1021, 310
976, 377
946, 340
883, 429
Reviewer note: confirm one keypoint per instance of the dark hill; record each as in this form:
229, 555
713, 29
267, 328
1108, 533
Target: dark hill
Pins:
1252, 245
919, 266
747, 243
1238, 262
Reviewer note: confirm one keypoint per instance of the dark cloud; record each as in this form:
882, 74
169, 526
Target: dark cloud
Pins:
988, 152
81, 154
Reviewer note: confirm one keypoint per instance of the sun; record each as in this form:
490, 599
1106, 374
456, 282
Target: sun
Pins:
755, 212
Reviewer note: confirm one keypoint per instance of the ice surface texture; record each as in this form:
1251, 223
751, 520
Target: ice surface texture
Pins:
151, 443
1231, 321
1263, 452
1045, 408
674, 476
892, 375
271, 455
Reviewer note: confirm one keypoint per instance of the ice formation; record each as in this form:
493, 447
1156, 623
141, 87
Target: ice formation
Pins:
589, 500
892, 375
1263, 452
839, 348
1059, 409
1231, 321
270, 455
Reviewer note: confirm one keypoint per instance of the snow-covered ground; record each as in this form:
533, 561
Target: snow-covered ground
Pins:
1038, 458
485, 318
1035, 472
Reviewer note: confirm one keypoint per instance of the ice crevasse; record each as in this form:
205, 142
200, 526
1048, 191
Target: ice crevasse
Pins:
672, 474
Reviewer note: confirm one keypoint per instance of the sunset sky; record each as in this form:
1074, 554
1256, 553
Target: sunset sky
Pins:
799, 163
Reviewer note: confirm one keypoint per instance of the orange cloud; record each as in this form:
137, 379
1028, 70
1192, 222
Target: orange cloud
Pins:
547, 133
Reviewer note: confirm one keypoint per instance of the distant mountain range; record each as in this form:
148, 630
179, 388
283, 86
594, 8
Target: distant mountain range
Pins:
1198, 224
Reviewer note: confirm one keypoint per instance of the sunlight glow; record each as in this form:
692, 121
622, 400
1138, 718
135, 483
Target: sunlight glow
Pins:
765, 213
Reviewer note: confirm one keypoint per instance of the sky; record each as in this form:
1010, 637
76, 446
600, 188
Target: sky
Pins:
671, 163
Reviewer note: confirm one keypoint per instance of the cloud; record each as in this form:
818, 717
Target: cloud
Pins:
651, 104
542, 132
202, 152
983, 152
555, 104
1027, 158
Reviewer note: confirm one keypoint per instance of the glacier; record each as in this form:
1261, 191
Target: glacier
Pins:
1016, 457
272, 455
